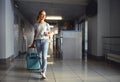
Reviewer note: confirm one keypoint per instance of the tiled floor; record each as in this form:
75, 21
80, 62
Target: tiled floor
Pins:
61, 71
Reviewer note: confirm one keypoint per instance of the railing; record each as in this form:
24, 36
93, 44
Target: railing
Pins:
111, 48
57, 41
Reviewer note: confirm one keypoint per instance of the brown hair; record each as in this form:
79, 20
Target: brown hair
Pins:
39, 14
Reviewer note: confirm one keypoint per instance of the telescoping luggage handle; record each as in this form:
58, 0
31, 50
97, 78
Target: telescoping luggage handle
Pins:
32, 52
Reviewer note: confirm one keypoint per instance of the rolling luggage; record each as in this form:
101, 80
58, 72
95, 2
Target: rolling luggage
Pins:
32, 59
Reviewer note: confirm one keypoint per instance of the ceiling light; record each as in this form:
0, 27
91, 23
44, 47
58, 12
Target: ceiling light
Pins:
51, 26
53, 18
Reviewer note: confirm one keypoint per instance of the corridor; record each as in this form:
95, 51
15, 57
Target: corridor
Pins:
86, 26
61, 71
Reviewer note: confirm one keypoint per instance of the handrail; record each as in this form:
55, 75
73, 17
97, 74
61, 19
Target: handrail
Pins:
111, 36
111, 45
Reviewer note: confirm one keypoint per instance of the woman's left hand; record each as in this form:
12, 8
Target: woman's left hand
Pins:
47, 33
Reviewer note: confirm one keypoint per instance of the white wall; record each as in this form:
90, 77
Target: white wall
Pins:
92, 35
9, 22
106, 23
2, 29
6, 29
115, 18
98, 26
28, 31
71, 44
9, 41
103, 23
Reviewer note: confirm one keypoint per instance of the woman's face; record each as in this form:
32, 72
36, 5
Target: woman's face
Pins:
42, 15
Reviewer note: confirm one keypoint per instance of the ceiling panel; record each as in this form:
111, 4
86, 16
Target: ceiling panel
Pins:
65, 8
80, 2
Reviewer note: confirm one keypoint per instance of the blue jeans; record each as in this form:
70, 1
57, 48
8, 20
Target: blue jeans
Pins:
42, 49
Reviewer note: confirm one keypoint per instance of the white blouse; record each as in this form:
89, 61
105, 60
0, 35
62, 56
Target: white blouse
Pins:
41, 29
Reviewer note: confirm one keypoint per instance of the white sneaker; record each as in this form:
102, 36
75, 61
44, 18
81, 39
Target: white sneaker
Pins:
43, 76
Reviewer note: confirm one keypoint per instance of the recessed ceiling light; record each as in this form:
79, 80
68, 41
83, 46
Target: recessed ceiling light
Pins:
54, 18
51, 26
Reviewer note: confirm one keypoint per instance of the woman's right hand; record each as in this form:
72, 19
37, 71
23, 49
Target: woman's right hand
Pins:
32, 45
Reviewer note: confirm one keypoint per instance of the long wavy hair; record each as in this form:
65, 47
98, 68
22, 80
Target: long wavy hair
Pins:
39, 14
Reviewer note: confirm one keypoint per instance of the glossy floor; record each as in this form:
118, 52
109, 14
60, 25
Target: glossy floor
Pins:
61, 71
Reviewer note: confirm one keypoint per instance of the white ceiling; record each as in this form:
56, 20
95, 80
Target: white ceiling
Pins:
81, 2
68, 9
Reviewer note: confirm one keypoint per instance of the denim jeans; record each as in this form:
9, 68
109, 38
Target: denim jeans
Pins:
42, 49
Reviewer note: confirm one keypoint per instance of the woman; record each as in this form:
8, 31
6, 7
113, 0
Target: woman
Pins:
41, 39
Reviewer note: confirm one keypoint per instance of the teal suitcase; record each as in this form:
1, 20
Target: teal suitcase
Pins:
32, 60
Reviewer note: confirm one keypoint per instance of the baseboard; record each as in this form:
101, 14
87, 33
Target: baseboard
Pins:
7, 60
98, 58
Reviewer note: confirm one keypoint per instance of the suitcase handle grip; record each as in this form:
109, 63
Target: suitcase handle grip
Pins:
32, 50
